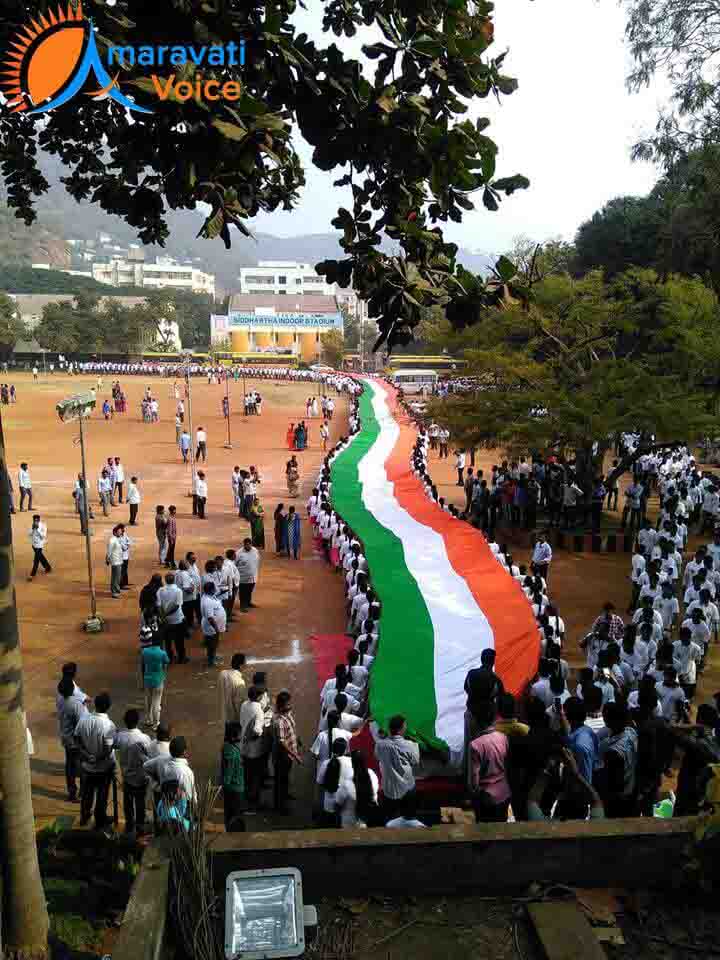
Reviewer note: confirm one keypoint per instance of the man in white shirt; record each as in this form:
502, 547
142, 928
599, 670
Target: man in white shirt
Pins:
443, 438
686, 656
542, 556
232, 690
232, 576
460, 467
201, 437
253, 744
114, 559
398, 757
71, 709
119, 478
247, 561
38, 539
212, 621
95, 737
133, 499
25, 485
177, 770
133, 747
571, 492
200, 498
105, 488
169, 601
633, 506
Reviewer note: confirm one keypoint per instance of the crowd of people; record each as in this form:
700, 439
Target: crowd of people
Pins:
187, 598
597, 743
215, 373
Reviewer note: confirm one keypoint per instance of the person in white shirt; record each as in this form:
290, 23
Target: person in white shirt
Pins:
25, 485
177, 769
668, 607
132, 747
114, 559
542, 556
201, 438
330, 775
133, 499
247, 561
71, 708
323, 742
105, 488
232, 577
460, 467
356, 798
253, 744
699, 630
671, 696
169, 602
95, 738
686, 656
200, 498
119, 478
38, 539
213, 621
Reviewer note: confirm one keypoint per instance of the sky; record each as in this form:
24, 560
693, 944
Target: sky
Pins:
569, 127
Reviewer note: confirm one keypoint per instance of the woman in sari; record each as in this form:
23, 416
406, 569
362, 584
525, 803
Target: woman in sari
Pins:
294, 534
299, 437
292, 475
281, 529
290, 437
257, 524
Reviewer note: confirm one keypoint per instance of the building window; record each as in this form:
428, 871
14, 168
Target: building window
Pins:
282, 293
282, 279
298, 279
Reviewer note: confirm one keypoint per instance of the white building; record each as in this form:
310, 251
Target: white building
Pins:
165, 272
292, 278
281, 277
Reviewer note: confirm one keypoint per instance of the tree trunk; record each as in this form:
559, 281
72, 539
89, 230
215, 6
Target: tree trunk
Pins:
24, 910
630, 459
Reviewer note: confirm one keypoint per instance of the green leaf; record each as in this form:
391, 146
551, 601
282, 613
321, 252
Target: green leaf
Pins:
506, 269
511, 184
489, 199
232, 131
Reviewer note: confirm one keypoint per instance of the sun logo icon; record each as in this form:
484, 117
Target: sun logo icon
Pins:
49, 62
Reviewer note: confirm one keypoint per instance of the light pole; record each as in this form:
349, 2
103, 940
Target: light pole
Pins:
77, 408
86, 524
228, 445
188, 394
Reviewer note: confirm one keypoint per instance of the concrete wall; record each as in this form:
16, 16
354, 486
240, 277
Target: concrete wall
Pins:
508, 857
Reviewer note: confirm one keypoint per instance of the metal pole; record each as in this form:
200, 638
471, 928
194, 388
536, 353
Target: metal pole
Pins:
86, 512
190, 425
227, 397
244, 392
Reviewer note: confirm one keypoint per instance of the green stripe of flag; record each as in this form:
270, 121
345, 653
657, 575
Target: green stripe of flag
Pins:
403, 675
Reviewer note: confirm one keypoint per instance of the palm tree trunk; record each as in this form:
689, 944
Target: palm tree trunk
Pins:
24, 910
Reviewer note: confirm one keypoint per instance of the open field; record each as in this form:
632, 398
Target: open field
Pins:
295, 599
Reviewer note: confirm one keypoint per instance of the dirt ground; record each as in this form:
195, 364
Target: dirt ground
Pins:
295, 599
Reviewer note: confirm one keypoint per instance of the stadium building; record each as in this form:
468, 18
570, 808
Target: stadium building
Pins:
276, 324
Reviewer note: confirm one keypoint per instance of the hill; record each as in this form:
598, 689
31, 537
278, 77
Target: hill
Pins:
61, 219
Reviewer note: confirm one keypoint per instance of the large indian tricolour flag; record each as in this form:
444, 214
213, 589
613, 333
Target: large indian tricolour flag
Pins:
444, 596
